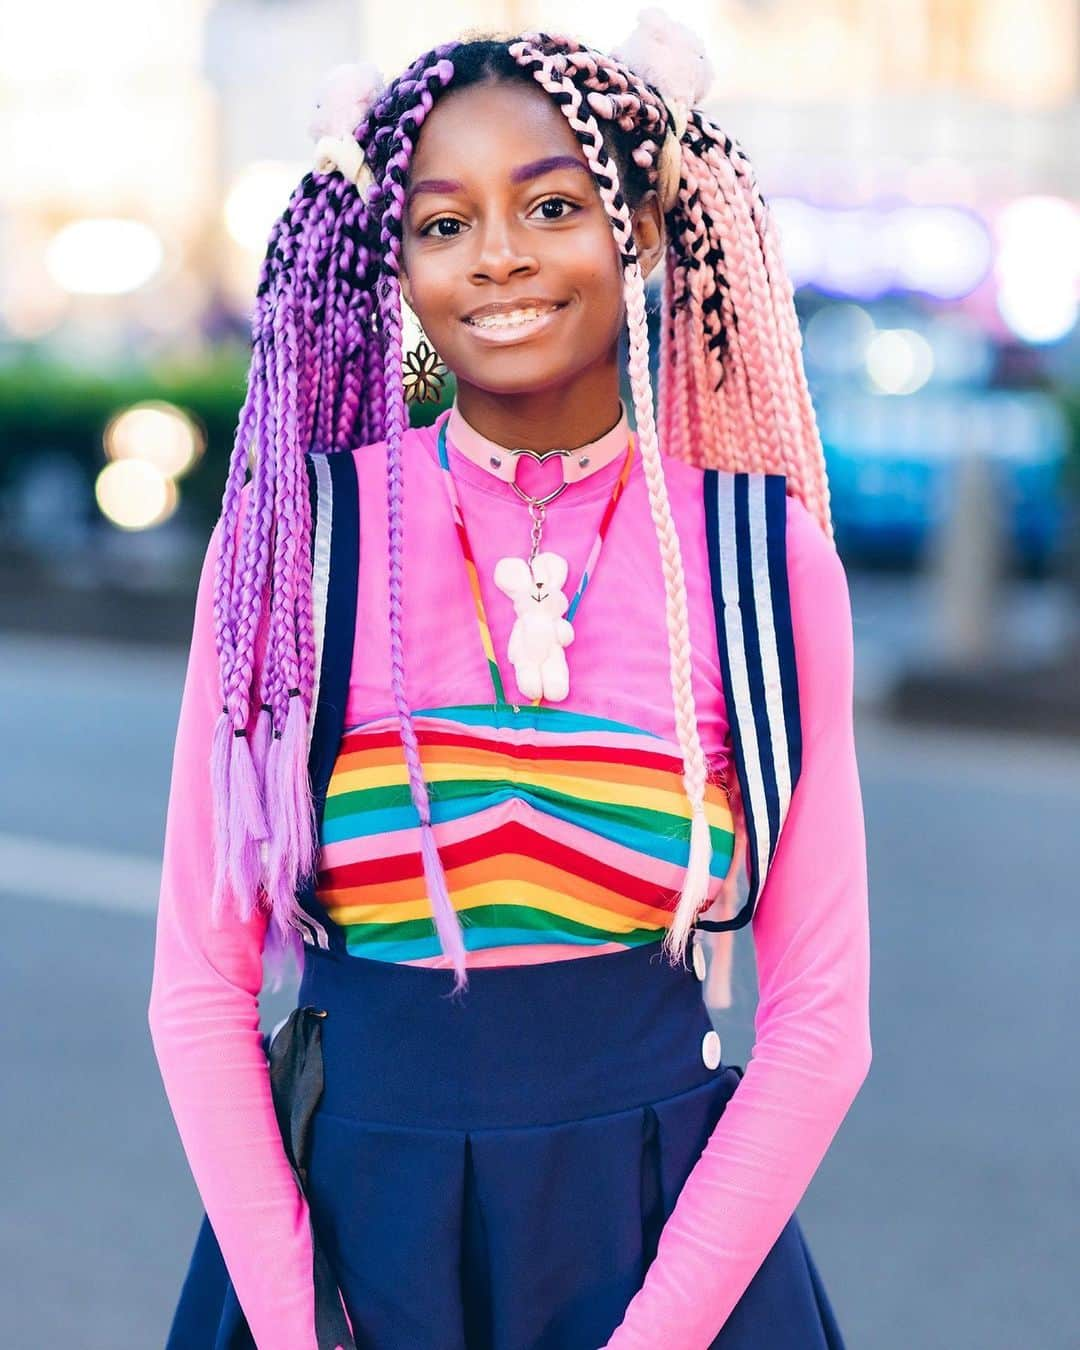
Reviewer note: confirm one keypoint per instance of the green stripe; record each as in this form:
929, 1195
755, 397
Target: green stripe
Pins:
457, 789
494, 916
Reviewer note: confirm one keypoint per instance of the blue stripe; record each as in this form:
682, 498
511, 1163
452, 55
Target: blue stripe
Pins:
752, 638
340, 626
542, 718
477, 938
390, 819
775, 496
712, 539
776, 513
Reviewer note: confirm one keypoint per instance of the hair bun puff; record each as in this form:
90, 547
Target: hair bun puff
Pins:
669, 55
345, 98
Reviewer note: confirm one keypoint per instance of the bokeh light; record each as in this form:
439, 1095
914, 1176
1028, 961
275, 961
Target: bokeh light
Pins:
135, 495
868, 251
106, 256
899, 361
157, 432
836, 337
257, 197
1038, 267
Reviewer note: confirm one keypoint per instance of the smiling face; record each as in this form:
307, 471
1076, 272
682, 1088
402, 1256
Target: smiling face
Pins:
509, 260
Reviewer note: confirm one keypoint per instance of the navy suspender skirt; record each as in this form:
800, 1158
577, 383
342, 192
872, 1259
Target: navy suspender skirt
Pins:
493, 1172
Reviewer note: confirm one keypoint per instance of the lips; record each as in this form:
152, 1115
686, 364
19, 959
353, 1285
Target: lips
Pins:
513, 323
506, 308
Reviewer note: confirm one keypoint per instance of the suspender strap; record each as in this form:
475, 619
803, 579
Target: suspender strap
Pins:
335, 548
746, 530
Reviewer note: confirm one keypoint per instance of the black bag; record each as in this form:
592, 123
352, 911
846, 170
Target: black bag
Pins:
296, 1081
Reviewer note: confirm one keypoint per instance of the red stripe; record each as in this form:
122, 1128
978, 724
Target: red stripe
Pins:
513, 837
646, 759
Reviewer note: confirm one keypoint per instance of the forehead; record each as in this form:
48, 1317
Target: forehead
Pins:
489, 129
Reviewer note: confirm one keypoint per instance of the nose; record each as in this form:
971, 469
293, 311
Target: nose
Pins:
501, 252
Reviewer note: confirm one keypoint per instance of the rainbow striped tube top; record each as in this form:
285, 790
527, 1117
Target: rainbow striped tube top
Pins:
560, 832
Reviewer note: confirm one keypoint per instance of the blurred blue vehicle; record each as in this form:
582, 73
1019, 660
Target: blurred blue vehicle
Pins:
891, 463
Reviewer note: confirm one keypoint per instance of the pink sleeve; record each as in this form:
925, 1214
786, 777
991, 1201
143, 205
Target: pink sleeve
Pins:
204, 1024
812, 1036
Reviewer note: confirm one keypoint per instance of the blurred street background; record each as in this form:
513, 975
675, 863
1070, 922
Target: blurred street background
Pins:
922, 162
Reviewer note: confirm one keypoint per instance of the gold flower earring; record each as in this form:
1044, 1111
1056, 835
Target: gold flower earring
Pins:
423, 374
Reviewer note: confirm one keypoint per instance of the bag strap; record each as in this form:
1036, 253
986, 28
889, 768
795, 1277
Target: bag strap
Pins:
746, 531
335, 562
295, 1062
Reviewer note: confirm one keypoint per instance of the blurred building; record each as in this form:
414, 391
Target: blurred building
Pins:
147, 149
916, 157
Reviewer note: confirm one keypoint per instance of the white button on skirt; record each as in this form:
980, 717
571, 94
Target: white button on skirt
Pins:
710, 1049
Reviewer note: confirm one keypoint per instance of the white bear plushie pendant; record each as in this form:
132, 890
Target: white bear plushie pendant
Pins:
540, 632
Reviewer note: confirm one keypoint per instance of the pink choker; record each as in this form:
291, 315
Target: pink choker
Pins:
502, 461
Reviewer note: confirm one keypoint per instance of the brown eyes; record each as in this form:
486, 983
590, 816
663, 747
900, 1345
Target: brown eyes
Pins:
441, 220
556, 204
555, 201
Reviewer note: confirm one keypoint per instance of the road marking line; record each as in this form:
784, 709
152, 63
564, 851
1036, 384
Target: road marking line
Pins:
44, 869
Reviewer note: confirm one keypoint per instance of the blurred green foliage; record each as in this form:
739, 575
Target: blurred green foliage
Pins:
47, 406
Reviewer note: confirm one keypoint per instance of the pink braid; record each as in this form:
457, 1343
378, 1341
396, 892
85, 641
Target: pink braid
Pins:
549, 72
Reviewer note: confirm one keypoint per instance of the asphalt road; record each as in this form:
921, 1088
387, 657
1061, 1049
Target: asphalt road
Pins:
943, 1217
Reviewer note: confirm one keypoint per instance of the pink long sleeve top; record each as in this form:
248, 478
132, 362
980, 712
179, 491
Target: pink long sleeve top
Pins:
810, 928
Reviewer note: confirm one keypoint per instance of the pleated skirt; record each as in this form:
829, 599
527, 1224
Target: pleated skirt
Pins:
492, 1171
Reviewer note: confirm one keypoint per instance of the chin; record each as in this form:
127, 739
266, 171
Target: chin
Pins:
520, 377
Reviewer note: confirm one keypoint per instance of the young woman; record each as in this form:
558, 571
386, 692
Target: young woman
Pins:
484, 740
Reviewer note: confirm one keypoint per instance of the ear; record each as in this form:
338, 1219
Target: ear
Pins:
406, 289
648, 221
512, 576
552, 567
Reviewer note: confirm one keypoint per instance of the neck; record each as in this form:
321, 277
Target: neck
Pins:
542, 419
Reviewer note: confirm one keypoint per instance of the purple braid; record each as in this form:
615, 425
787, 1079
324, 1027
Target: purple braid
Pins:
329, 241
264, 825
351, 319
291, 848
434, 77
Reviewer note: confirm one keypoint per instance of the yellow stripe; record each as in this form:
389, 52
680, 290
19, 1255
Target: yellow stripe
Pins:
502, 892
520, 867
672, 801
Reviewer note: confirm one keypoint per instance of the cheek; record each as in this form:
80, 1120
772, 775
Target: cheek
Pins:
430, 285
601, 287
598, 273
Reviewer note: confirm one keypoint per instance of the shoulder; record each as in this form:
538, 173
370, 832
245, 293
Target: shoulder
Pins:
821, 619
752, 504
371, 456
756, 518
816, 574
331, 472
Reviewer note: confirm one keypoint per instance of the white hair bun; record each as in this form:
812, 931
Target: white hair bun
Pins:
669, 55
345, 98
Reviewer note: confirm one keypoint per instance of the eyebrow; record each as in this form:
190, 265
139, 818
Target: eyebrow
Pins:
521, 174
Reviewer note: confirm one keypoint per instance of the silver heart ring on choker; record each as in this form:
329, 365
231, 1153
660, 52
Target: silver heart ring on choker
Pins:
505, 467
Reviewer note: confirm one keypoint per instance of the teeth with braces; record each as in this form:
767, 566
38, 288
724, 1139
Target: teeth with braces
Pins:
514, 319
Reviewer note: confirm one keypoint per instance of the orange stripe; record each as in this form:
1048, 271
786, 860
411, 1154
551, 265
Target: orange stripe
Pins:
505, 868
630, 774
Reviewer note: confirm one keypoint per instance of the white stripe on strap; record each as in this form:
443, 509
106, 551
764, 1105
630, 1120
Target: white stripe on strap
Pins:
320, 579
770, 656
735, 640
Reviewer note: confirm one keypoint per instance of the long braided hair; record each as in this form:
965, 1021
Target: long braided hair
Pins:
326, 376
